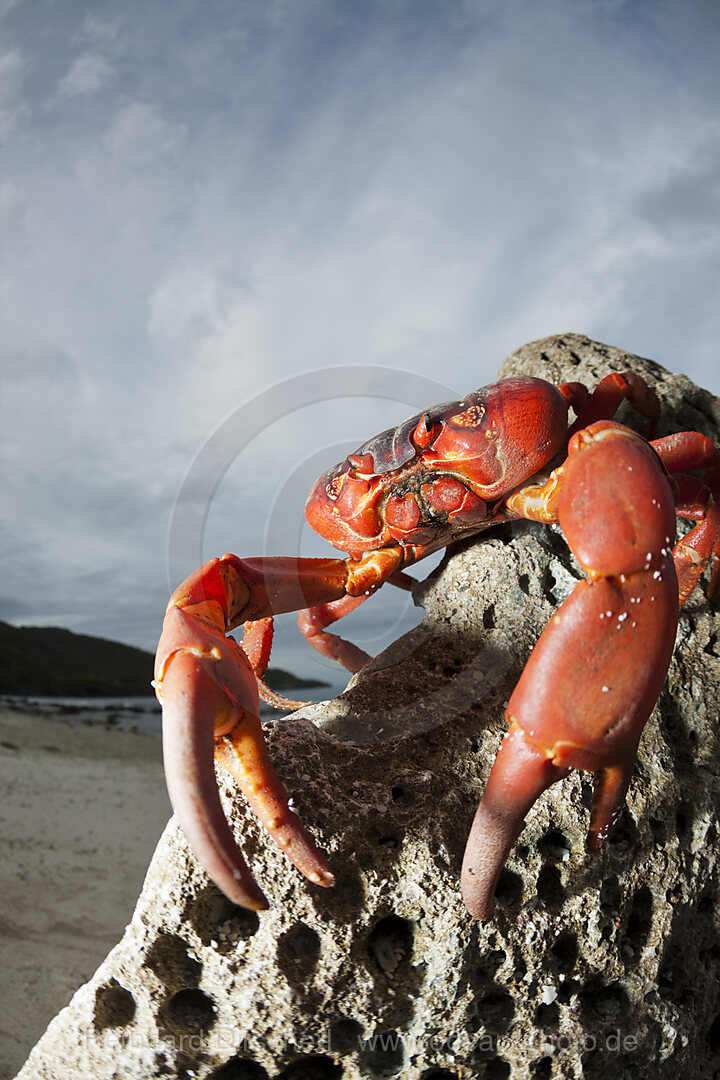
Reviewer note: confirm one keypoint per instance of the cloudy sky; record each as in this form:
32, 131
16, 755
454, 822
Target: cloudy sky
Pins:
202, 201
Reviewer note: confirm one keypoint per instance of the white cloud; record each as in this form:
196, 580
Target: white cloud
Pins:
141, 137
97, 27
13, 219
194, 304
137, 173
11, 69
88, 74
6, 6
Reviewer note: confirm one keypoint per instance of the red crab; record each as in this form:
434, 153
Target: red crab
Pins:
503, 452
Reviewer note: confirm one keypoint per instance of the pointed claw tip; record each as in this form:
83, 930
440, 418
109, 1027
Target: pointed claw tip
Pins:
595, 840
259, 905
483, 914
480, 910
479, 902
247, 894
326, 878
252, 901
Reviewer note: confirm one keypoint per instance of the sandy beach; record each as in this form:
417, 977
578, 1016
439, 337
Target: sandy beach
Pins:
82, 810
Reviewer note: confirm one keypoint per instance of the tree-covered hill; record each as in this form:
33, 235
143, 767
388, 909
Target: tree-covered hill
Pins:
49, 660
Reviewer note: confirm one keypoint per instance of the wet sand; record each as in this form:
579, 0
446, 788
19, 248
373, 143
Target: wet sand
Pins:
81, 811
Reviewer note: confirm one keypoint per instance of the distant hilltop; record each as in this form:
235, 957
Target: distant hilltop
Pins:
59, 663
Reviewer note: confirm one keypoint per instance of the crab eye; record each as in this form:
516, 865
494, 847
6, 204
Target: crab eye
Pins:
426, 432
362, 463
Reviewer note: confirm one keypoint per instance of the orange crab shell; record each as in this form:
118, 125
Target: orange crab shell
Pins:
433, 476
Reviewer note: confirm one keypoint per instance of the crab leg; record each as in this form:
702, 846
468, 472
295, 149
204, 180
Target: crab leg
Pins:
312, 622
694, 551
608, 395
208, 691
188, 749
696, 500
257, 645
598, 667
377, 568
365, 576
208, 687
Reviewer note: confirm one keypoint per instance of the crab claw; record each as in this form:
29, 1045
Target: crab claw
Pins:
519, 776
597, 669
211, 710
188, 745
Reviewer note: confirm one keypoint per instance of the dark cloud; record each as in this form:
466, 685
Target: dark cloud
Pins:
201, 201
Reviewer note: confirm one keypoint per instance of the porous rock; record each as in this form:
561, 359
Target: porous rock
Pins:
593, 966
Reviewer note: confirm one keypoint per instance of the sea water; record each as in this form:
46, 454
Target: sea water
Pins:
136, 714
